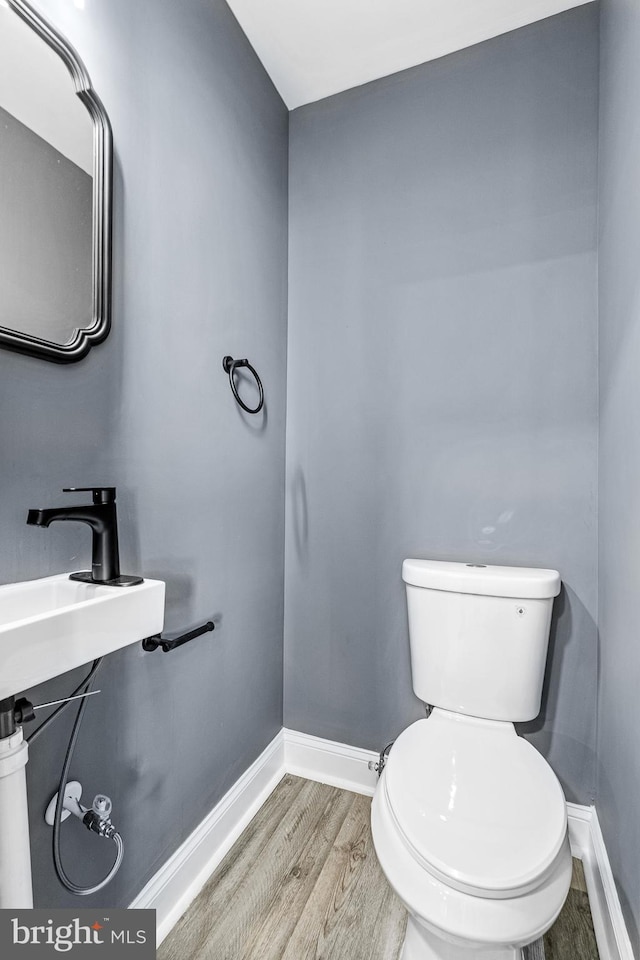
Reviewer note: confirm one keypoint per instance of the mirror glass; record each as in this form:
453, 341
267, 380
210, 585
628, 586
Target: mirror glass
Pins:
54, 203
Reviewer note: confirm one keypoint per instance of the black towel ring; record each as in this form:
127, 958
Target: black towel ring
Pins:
229, 365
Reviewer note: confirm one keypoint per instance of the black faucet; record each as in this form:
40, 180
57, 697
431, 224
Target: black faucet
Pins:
101, 517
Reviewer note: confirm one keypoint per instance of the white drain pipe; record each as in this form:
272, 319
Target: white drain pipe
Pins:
15, 853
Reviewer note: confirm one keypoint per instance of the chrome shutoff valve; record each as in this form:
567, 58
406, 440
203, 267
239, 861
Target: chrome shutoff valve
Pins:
97, 819
379, 764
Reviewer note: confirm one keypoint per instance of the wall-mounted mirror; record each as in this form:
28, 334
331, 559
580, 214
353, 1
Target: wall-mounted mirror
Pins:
55, 193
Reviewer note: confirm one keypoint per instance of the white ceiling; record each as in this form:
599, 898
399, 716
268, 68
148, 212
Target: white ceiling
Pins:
315, 48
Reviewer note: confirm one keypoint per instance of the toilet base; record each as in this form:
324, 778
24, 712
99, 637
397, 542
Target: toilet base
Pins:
421, 944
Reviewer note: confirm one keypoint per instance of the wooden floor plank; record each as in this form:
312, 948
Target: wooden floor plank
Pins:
369, 921
338, 921
272, 937
572, 936
387, 937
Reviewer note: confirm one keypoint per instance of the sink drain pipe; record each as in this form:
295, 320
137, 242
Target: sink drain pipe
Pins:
15, 853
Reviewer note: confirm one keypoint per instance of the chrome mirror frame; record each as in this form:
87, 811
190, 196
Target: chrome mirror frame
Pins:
100, 324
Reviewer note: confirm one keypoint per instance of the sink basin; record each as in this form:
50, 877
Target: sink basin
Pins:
52, 625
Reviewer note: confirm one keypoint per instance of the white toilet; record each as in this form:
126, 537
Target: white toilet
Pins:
469, 821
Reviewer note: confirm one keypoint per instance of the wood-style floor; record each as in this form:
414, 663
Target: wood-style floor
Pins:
303, 883
572, 937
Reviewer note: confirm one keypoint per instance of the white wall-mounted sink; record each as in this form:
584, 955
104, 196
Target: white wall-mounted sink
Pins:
52, 625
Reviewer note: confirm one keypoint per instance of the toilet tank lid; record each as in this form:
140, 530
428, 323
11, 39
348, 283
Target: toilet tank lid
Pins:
519, 582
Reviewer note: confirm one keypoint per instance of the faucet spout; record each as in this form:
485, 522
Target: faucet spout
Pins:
85, 514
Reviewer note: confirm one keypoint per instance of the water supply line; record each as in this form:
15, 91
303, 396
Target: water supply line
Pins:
96, 819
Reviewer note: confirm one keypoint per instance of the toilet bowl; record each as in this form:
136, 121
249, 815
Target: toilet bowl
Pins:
469, 821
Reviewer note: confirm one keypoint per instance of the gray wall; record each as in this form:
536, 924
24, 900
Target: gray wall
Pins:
618, 784
46, 208
442, 369
200, 271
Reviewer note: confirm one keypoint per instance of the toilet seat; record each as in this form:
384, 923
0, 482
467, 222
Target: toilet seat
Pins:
475, 804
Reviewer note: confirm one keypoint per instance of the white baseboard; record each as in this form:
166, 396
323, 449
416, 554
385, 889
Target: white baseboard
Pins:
587, 844
579, 818
608, 921
179, 881
329, 762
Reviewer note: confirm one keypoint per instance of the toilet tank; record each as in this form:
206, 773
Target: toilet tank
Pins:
479, 636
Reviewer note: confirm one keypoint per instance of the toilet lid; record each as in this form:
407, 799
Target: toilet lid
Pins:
475, 804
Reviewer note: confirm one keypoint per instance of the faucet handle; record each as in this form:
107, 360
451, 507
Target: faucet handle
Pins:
100, 494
